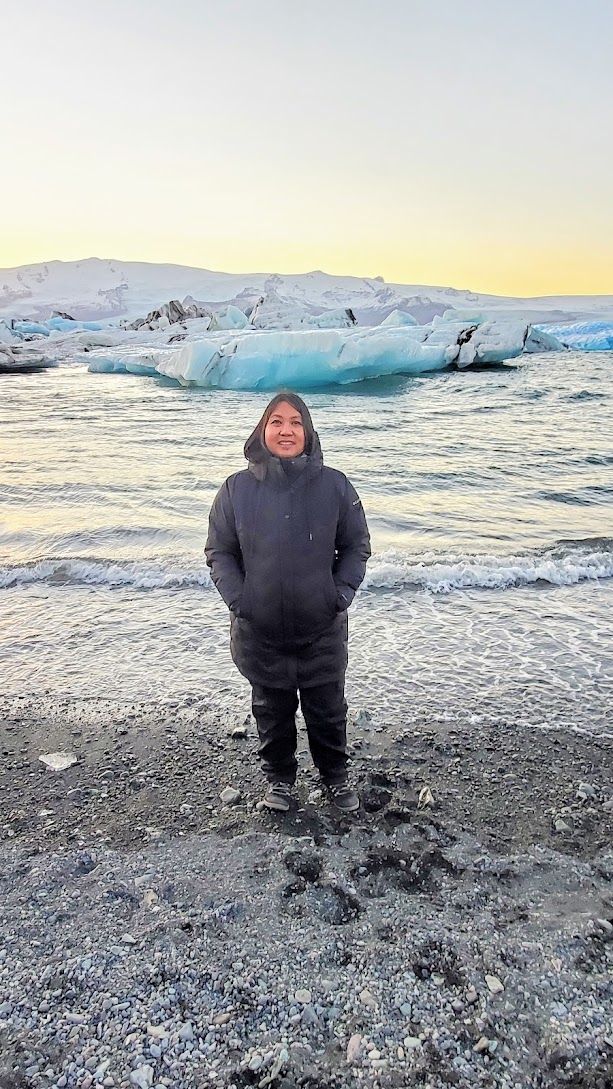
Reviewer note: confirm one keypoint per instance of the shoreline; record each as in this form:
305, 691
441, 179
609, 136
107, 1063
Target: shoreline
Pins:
181, 942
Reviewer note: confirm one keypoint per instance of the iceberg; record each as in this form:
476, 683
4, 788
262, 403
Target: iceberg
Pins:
126, 360
6, 335
585, 336
16, 361
69, 325
303, 360
229, 317
170, 313
399, 317
472, 317
493, 342
540, 341
269, 359
272, 311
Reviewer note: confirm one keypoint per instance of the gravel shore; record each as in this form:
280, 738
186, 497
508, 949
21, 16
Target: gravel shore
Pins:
457, 931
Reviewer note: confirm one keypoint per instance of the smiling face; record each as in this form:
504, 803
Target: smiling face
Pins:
284, 432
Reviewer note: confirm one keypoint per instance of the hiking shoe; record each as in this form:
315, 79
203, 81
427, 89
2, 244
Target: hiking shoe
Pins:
343, 797
278, 796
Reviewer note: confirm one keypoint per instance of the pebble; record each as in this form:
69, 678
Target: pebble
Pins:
354, 1048
142, 1077
481, 1045
412, 1043
471, 996
309, 1017
303, 996
561, 825
367, 999
494, 985
229, 796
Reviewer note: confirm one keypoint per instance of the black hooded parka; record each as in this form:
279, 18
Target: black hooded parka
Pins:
287, 547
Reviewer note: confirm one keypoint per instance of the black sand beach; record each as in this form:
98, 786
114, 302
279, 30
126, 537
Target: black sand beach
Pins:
457, 931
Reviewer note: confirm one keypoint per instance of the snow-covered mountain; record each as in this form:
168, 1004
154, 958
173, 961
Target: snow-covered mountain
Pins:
101, 288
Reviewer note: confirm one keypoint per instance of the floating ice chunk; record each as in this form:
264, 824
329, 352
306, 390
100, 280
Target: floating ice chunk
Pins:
28, 328
105, 339
493, 342
229, 317
195, 359
587, 336
274, 312
540, 341
125, 360
343, 318
70, 325
398, 318
266, 360
170, 313
6, 336
471, 317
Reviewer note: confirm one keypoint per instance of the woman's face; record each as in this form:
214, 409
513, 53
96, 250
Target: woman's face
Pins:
284, 432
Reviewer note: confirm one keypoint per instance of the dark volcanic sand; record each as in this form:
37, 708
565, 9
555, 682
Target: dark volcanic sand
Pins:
292, 939
147, 767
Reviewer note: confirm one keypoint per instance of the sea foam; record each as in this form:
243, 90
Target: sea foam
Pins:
439, 573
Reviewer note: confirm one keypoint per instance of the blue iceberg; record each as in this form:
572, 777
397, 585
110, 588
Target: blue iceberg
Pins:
269, 359
584, 336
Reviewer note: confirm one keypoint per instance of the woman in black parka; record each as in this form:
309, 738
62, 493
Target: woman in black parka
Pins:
287, 547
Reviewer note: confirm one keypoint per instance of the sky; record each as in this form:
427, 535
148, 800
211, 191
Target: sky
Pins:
463, 143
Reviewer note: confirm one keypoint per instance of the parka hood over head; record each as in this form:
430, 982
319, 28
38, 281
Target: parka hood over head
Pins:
257, 453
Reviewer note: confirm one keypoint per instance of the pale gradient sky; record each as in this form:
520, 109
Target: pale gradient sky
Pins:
457, 142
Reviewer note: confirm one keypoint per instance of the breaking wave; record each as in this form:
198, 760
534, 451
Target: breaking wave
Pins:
81, 572
565, 564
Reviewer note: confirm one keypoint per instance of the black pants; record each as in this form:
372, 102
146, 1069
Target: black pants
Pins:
325, 713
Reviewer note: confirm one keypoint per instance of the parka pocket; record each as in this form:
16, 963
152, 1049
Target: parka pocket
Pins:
243, 605
332, 596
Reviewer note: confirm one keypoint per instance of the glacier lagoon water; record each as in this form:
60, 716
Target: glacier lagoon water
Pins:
489, 496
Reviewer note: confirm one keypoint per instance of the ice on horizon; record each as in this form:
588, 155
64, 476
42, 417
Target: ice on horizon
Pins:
277, 342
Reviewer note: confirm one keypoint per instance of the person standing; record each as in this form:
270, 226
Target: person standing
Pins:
287, 547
